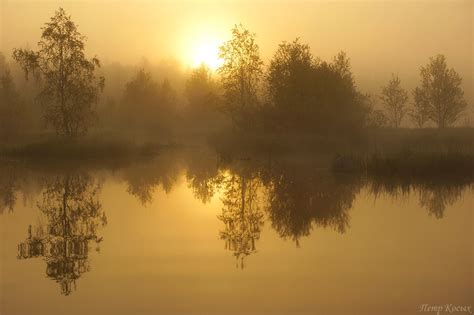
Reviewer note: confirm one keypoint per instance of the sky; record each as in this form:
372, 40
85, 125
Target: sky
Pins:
379, 36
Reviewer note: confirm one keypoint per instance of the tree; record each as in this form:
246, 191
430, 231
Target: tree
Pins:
394, 98
440, 92
201, 90
419, 113
146, 103
307, 94
70, 88
240, 74
338, 106
341, 65
289, 79
11, 108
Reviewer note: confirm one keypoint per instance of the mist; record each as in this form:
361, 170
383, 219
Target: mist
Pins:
380, 37
236, 157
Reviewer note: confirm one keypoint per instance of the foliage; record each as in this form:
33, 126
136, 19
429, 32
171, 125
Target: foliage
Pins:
419, 113
440, 97
306, 94
146, 103
69, 85
289, 80
12, 111
394, 98
240, 75
201, 90
241, 214
74, 214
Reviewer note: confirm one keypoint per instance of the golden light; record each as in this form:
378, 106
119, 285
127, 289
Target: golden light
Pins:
200, 44
205, 50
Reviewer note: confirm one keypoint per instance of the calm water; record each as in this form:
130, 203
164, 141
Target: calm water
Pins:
192, 233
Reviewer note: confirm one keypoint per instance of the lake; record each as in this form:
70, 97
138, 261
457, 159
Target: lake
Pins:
191, 232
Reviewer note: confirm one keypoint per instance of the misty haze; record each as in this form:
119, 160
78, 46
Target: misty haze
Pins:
236, 157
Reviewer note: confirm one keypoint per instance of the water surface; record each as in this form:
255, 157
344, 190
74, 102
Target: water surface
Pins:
192, 233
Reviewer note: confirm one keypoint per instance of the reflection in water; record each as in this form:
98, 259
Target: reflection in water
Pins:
294, 198
8, 189
204, 177
142, 179
435, 194
241, 214
299, 199
436, 200
73, 213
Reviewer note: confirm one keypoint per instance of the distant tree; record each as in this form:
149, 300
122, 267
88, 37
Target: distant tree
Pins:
394, 98
146, 103
11, 108
240, 75
142, 90
374, 118
289, 80
201, 91
166, 97
378, 119
440, 92
419, 113
69, 85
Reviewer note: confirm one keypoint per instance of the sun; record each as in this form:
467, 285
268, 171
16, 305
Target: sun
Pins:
204, 50
208, 54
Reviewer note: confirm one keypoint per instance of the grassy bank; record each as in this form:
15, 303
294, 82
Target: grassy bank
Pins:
408, 163
79, 149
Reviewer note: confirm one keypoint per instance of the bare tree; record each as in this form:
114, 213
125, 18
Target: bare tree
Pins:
440, 93
240, 74
394, 98
69, 85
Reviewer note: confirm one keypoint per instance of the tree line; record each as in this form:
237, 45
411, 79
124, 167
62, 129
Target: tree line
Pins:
296, 91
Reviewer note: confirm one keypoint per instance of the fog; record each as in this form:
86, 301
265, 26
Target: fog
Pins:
320, 67
324, 148
380, 37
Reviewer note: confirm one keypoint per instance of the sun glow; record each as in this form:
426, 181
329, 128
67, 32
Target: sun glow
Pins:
201, 46
207, 53
204, 50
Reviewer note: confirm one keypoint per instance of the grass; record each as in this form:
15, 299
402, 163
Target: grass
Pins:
409, 164
79, 149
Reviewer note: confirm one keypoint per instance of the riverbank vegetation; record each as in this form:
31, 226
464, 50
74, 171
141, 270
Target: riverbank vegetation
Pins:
295, 102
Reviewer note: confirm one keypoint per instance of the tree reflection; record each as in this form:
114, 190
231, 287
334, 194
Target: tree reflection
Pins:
241, 214
436, 199
434, 194
8, 188
142, 179
299, 200
73, 212
203, 177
